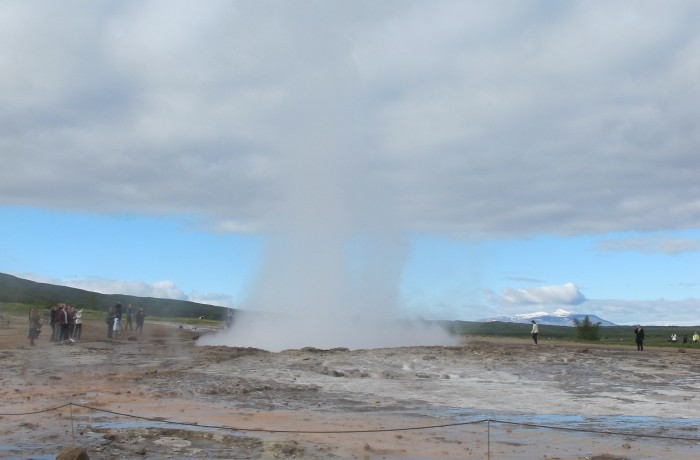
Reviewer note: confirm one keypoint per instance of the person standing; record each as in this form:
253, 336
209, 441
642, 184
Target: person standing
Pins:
639, 337
71, 322
78, 324
140, 317
54, 323
535, 330
110, 322
64, 322
117, 326
34, 325
129, 318
118, 312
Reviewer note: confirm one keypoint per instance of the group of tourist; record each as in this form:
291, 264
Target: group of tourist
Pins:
639, 337
684, 338
114, 321
67, 322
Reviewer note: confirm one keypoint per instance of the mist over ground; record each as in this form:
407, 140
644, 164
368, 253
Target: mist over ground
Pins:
324, 331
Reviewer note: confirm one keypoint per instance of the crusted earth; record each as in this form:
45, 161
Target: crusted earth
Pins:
159, 395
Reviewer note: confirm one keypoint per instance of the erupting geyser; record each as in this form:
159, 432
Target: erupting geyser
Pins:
336, 249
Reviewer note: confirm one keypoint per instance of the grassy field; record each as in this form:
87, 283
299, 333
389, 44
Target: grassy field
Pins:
655, 336
18, 309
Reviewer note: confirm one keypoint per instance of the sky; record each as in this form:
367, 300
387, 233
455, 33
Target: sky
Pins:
438, 160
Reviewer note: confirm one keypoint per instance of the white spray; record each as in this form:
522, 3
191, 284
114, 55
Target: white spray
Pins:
336, 250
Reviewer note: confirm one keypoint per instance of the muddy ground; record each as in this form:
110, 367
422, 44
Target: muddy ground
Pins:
555, 400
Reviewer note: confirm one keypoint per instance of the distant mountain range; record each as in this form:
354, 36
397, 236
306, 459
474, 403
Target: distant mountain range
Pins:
558, 318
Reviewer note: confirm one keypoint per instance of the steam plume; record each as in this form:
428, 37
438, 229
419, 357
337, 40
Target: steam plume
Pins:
333, 265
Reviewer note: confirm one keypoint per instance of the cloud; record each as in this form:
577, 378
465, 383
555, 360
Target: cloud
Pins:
524, 279
650, 245
565, 294
210, 298
656, 312
461, 118
651, 312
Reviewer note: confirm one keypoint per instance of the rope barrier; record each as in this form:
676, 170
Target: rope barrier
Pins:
376, 430
50, 409
590, 430
263, 430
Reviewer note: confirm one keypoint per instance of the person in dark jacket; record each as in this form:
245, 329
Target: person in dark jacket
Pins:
64, 322
129, 318
118, 311
639, 337
140, 318
54, 323
111, 314
34, 325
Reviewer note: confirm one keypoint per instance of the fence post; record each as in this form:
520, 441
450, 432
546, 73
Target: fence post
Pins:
72, 430
488, 439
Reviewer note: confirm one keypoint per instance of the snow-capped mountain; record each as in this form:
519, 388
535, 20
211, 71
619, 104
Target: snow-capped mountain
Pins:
558, 318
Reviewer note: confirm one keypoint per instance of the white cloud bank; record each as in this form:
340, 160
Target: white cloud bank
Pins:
655, 312
463, 118
564, 294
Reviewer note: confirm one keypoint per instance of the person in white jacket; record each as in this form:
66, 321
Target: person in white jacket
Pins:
116, 327
78, 324
535, 331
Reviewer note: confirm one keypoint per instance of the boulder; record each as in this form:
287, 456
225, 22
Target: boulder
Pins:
73, 453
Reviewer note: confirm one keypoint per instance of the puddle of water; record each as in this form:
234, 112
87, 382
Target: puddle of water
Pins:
97, 423
629, 425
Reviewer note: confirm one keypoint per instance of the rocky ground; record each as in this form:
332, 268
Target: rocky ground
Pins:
117, 397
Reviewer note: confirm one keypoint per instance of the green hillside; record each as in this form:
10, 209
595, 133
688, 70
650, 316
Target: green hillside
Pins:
43, 296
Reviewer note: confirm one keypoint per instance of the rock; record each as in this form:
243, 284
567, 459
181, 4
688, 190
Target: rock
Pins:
73, 453
290, 449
